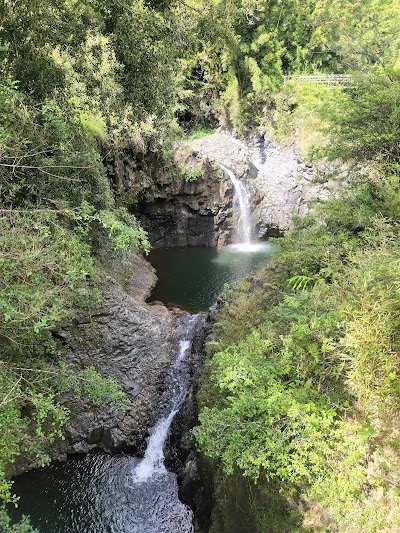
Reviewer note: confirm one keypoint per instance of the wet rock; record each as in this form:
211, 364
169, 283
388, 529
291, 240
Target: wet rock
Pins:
285, 186
80, 448
176, 212
191, 492
114, 440
189, 481
181, 455
282, 185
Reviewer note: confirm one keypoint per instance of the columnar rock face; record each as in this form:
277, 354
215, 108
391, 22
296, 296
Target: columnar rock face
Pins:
284, 185
130, 341
184, 202
177, 211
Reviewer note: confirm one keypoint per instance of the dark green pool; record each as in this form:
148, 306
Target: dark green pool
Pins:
192, 278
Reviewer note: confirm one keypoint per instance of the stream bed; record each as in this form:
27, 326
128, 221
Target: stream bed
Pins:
116, 494
125, 494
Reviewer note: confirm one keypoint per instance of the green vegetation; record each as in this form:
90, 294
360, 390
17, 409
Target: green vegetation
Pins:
22, 527
199, 134
194, 174
302, 389
61, 97
302, 386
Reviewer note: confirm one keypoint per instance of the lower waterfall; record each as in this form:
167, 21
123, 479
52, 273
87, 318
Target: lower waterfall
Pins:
152, 464
123, 494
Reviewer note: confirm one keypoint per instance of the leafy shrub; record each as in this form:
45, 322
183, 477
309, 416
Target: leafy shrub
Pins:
194, 174
302, 384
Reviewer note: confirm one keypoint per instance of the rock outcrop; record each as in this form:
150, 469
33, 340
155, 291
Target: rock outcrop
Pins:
130, 341
189, 204
189, 201
282, 184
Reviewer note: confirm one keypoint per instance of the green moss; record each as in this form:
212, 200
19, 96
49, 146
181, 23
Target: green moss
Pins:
199, 134
194, 174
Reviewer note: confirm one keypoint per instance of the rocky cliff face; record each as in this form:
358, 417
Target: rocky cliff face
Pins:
182, 202
282, 184
179, 208
130, 341
176, 212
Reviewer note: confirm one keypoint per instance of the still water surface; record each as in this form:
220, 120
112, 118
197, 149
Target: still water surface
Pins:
192, 277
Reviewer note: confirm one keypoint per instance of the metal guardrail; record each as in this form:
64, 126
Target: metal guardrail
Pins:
325, 79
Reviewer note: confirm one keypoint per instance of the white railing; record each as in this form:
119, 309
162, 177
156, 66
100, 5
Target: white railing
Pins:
325, 79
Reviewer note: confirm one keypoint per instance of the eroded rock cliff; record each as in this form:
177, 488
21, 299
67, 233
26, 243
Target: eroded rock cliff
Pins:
190, 202
130, 341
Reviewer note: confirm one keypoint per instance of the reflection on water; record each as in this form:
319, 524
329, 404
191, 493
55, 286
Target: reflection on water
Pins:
192, 277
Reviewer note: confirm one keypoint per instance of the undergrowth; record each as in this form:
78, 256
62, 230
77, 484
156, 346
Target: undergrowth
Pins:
302, 385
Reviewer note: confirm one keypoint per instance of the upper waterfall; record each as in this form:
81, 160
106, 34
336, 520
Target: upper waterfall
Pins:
242, 195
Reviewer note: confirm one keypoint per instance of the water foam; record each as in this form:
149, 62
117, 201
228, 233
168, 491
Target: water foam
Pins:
152, 464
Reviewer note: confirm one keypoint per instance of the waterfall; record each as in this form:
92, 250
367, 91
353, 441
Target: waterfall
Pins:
243, 199
152, 463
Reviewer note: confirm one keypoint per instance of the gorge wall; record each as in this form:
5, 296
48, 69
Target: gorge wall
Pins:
179, 205
190, 202
130, 341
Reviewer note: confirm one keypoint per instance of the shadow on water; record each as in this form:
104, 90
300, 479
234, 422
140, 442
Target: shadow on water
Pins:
192, 277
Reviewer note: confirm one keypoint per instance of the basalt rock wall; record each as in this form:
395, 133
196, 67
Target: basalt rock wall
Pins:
130, 341
281, 182
188, 201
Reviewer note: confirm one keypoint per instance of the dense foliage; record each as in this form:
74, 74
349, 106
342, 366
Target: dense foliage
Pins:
303, 383
60, 93
305, 392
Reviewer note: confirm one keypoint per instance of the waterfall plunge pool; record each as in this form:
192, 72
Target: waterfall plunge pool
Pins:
97, 494
192, 277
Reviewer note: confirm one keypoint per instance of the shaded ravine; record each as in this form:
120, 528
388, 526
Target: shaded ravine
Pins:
124, 494
116, 494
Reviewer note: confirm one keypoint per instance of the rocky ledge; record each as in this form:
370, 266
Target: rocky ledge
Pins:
126, 339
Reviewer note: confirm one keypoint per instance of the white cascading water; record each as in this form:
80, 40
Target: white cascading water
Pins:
152, 463
243, 199
125, 494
